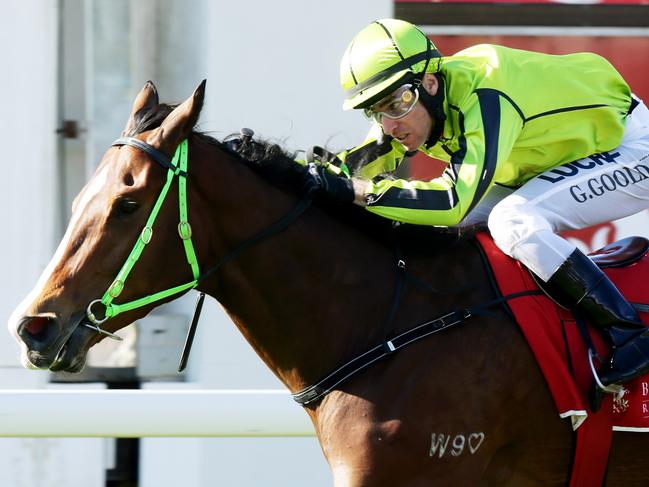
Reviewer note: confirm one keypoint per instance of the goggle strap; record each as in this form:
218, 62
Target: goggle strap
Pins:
420, 77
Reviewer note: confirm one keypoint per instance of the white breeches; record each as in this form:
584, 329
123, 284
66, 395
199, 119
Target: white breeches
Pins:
579, 194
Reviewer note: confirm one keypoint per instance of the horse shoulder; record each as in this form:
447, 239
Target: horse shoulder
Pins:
354, 441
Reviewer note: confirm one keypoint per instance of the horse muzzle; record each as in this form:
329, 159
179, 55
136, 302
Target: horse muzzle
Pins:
46, 344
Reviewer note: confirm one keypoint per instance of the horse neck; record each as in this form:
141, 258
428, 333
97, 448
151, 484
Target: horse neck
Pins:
307, 298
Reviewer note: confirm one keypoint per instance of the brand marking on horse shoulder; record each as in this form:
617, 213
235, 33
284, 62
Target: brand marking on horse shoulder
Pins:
459, 444
475, 440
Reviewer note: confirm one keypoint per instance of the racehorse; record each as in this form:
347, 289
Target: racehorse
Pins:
463, 407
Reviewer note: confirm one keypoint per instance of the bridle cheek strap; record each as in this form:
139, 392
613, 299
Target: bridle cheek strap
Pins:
175, 167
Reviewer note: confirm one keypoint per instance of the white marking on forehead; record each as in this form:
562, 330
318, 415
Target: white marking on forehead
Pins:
93, 188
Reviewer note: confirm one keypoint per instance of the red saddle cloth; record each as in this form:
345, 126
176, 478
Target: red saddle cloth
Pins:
562, 355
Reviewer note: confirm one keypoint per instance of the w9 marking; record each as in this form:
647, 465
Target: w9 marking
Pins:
440, 443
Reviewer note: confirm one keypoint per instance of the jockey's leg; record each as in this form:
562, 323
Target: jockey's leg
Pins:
581, 285
580, 194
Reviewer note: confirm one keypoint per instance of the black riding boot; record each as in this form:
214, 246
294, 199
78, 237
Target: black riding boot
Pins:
579, 284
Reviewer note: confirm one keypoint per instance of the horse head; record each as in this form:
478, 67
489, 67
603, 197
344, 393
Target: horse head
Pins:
53, 324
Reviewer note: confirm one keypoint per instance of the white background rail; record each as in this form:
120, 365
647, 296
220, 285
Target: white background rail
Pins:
151, 413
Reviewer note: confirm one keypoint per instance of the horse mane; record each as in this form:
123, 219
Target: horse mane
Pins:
279, 167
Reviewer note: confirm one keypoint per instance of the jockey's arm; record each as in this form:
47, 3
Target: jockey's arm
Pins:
488, 132
378, 155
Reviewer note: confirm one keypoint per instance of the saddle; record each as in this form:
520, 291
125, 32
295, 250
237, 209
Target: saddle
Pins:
621, 253
562, 353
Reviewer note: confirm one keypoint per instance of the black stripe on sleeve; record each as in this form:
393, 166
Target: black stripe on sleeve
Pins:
490, 110
368, 153
458, 156
415, 199
485, 91
565, 109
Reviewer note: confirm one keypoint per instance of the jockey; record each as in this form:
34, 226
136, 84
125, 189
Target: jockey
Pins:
535, 144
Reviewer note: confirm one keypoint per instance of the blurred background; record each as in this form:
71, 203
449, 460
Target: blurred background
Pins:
71, 71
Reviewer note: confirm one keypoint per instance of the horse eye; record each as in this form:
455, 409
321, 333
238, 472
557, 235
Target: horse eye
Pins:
126, 206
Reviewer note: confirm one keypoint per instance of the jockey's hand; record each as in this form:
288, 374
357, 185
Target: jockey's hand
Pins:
336, 188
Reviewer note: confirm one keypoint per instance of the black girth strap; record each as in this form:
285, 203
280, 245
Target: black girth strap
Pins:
318, 391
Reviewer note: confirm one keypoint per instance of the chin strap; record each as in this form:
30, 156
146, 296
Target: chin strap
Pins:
434, 104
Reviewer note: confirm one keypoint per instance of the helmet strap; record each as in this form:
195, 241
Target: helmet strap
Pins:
434, 104
417, 82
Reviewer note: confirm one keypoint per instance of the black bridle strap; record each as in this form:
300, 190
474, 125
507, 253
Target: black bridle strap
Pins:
274, 229
318, 391
158, 156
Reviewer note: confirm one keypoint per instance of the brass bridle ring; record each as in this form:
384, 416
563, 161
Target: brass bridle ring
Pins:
93, 319
185, 230
90, 315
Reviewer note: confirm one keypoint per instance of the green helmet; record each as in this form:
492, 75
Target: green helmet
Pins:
380, 58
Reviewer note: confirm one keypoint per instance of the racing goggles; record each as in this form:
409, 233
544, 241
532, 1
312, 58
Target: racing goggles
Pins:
396, 105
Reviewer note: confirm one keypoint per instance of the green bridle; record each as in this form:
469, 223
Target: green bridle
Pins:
175, 167
178, 167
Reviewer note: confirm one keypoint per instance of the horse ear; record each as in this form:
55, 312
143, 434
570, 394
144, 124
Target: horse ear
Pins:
179, 123
146, 99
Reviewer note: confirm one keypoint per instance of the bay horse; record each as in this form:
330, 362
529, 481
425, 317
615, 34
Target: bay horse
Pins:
464, 407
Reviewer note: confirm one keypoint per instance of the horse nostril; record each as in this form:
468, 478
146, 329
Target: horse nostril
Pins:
35, 329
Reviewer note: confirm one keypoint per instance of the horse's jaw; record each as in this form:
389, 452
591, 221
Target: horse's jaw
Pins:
73, 354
